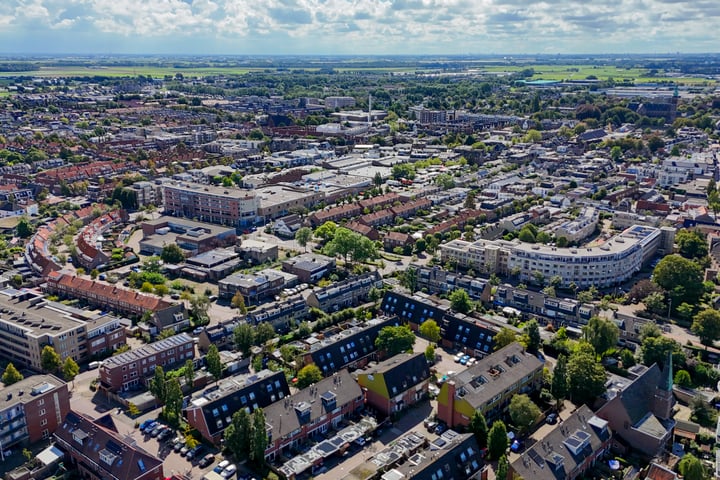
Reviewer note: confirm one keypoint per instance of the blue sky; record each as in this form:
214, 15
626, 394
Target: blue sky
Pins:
358, 26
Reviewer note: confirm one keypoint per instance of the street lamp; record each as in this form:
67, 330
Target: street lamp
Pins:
669, 308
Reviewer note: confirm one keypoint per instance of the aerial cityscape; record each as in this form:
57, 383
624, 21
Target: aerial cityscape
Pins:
359, 240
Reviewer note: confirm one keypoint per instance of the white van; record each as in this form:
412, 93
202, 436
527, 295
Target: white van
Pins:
94, 365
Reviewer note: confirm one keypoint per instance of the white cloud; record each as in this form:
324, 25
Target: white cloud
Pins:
375, 26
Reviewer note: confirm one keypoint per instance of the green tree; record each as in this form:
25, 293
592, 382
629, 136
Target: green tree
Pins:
655, 303
199, 306
601, 334
691, 468
49, 359
172, 253
430, 330
326, 231
213, 362
409, 280
460, 301
497, 440
656, 349
681, 277
24, 229
682, 378
559, 385
303, 236
264, 332
430, 353
691, 243
504, 338
166, 333
308, 375
70, 370
478, 427
158, 385
244, 336
584, 296
706, 325
523, 412
173, 400
189, 373
526, 235
11, 375
532, 333
586, 376
502, 468
395, 339
238, 301
616, 153
259, 439
238, 433
403, 170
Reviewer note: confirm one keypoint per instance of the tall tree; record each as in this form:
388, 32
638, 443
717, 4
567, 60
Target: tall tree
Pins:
308, 375
430, 330
244, 336
504, 338
532, 331
691, 468
189, 373
259, 439
502, 468
656, 349
395, 339
586, 376
70, 370
497, 440
460, 301
559, 385
601, 334
706, 325
158, 385
172, 253
238, 433
523, 412
11, 375
478, 426
681, 277
264, 332
691, 243
238, 301
173, 400
199, 305
214, 364
303, 236
409, 280
49, 359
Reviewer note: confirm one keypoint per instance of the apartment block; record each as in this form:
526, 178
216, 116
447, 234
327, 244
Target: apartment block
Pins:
223, 205
348, 293
489, 385
193, 237
28, 322
130, 370
31, 409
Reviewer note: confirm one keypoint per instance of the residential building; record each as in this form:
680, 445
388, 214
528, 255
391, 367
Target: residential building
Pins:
147, 193
452, 456
580, 227
99, 452
489, 385
223, 205
396, 383
164, 314
347, 293
311, 411
29, 322
211, 410
350, 347
339, 102
335, 214
438, 281
615, 261
31, 409
257, 252
568, 451
278, 200
221, 335
130, 370
193, 237
212, 265
563, 311
393, 240
640, 415
253, 287
283, 316
309, 267
90, 252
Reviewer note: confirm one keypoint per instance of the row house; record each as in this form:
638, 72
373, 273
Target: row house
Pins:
283, 316
348, 293
210, 411
335, 214
130, 370
221, 335
563, 311
364, 230
311, 412
437, 281
98, 451
453, 455
397, 239
379, 201
122, 300
32, 409
309, 267
410, 208
90, 254
376, 219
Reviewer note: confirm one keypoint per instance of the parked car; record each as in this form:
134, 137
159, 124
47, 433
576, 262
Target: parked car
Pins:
471, 362
198, 330
157, 430
431, 426
464, 359
221, 466
165, 434
184, 450
458, 357
177, 448
229, 471
146, 423
194, 452
551, 419
440, 429
360, 442
206, 461
149, 427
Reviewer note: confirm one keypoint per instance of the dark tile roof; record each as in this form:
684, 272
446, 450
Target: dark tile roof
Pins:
258, 392
349, 346
401, 372
564, 448
635, 397
455, 456
98, 443
309, 404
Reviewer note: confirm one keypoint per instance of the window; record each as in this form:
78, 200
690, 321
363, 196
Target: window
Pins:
41, 402
252, 395
42, 412
43, 422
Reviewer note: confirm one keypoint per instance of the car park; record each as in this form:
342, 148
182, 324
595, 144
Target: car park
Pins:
177, 448
229, 471
458, 357
206, 461
221, 466
149, 427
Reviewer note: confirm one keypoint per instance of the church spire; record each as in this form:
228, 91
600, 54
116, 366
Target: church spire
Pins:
666, 383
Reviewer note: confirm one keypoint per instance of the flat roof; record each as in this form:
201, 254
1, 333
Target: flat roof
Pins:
147, 350
200, 188
22, 391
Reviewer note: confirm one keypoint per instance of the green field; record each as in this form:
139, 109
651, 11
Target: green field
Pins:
128, 71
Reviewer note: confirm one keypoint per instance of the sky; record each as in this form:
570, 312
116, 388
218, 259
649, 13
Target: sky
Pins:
382, 27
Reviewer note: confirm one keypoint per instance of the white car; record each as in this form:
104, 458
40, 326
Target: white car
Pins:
229, 471
458, 357
221, 466
471, 362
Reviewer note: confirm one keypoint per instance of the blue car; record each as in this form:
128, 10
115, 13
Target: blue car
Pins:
464, 359
147, 424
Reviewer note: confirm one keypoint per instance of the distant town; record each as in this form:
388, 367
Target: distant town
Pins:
359, 269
